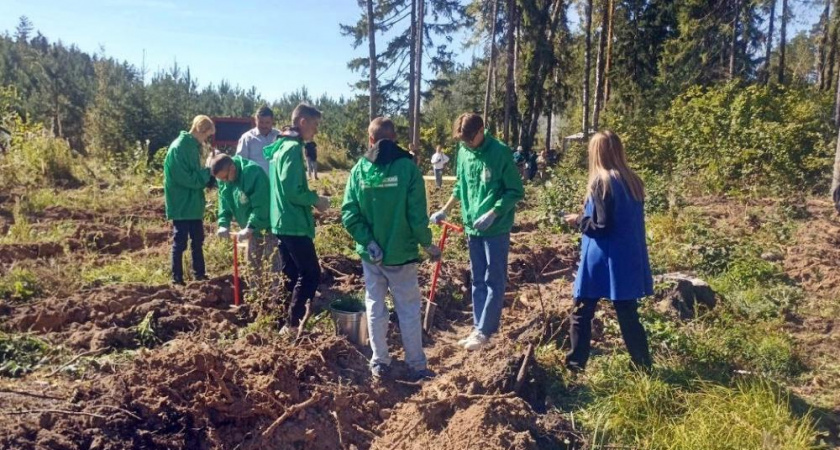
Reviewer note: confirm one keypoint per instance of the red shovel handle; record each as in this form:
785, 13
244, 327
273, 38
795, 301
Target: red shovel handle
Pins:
235, 271
446, 227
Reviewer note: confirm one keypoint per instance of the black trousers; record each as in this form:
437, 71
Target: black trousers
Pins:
194, 231
299, 263
632, 332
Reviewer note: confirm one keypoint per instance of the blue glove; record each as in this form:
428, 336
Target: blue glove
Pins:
437, 217
374, 252
485, 221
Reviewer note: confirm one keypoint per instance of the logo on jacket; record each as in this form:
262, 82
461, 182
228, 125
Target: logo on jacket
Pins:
243, 199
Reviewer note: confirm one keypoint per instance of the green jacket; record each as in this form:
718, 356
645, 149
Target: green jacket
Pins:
184, 179
385, 201
291, 198
487, 179
247, 198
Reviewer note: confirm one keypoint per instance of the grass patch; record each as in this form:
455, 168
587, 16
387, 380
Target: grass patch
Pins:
128, 268
19, 285
21, 354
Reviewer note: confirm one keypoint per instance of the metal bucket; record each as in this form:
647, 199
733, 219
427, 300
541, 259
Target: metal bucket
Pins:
352, 324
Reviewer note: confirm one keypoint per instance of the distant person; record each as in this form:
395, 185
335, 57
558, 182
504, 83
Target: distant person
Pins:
488, 187
532, 165
614, 258
439, 160
244, 197
184, 181
291, 211
519, 158
384, 209
252, 143
311, 153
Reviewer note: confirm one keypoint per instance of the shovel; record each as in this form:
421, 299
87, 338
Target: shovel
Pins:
431, 306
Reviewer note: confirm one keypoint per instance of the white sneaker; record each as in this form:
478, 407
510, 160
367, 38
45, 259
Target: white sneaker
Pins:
476, 342
463, 342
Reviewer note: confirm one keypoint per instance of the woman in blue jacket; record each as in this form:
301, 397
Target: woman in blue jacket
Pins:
614, 259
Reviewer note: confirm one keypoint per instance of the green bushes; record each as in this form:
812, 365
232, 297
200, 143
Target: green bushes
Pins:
734, 138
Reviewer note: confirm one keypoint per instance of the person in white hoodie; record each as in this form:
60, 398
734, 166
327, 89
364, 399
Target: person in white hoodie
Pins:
439, 160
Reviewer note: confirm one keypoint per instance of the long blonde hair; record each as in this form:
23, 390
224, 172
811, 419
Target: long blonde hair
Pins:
201, 124
607, 159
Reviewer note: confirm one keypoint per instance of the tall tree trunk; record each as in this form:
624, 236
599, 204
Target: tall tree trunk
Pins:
835, 179
821, 47
412, 43
837, 102
832, 50
783, 41
491, 66
769, 44
600, 65
372, 63
608, 63
587, 66
733, 50
418, 72
510, 61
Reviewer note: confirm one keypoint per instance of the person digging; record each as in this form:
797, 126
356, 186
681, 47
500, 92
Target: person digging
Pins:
244, 197
291, 211
384, 210
488, 186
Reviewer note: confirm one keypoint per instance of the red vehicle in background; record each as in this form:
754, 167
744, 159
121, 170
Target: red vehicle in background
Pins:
229, 130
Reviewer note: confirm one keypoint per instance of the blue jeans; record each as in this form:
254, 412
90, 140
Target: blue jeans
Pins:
184, 230
438, 177
488, 263
402, 282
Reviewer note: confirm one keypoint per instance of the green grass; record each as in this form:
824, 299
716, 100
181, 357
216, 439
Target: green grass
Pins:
128, 268
658, 411
19, 285
21, 354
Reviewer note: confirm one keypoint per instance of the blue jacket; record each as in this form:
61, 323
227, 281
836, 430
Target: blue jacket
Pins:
614, 260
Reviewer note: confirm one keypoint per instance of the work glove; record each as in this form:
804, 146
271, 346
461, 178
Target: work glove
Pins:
223, 233
438, 217
434, 252
374, 252
244, 234
323, 203
485, 221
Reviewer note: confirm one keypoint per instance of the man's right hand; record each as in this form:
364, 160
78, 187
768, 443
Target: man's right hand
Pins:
323, 203
434, 252
374, 252
438, 217
223, 233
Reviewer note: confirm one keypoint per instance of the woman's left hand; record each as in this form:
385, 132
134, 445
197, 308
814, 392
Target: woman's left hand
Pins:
572, 220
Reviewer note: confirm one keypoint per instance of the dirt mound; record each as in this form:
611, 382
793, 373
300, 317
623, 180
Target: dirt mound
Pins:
108, 317
114, 240
464, 421
10, 253
253, 394
541, 260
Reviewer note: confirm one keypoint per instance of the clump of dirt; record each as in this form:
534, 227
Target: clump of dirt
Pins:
10, 253
107, 317
256, 393
463, 421
532, 261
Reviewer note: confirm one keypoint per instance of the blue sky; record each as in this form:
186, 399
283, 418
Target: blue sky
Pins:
277, 46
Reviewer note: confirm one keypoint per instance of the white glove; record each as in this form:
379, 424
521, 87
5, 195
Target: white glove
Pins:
374, 252
223, 233
485, 221
244, 234
434, 252
323, 203
437, 217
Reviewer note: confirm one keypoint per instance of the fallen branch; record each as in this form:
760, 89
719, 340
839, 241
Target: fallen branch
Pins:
76, 358
370, 434
302, 324
116, 408
338, 426
54, 411
30, 394
523, 370
292, 410
407, 433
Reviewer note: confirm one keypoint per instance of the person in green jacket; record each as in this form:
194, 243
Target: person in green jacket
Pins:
244, 197
488, 186
184, 180
384, 209
291, 210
